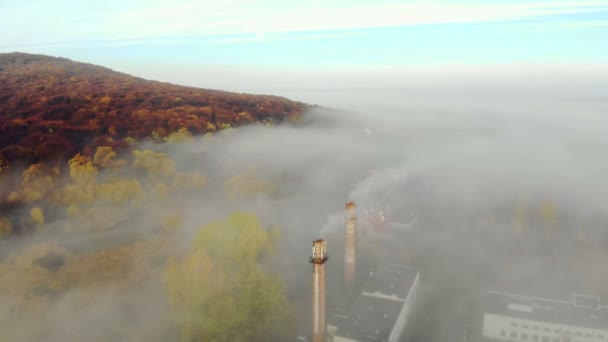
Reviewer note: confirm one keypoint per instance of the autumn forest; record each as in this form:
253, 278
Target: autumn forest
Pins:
82, 156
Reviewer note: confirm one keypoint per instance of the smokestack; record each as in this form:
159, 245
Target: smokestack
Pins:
350, 242
318, 258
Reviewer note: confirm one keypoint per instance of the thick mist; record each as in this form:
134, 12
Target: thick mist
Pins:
489, 180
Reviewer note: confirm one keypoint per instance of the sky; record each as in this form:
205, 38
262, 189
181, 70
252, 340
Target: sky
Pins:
309, 34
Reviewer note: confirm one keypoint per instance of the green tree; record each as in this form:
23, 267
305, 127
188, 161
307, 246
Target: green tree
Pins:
220, 292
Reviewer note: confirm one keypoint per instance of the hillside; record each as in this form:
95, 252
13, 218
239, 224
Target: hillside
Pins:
54, 107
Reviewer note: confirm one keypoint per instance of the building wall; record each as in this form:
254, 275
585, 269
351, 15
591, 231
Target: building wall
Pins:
507, 328
405, 311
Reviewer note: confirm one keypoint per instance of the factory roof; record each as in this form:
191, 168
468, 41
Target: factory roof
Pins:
580, 310
391, 280
374, 313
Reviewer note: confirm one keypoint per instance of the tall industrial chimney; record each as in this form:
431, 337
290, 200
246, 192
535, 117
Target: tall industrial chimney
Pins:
350, 242
318, 258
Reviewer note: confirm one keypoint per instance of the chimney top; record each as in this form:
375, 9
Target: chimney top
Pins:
319, 252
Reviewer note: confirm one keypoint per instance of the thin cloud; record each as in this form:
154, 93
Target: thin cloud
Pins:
195, 19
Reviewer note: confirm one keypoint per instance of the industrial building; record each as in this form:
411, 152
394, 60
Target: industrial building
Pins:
381, 307
381, 311
510, 317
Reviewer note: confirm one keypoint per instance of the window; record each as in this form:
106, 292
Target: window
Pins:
513, 324
503, 333
513, 334
546, 329
524, 337
545, 338
556, 339
534, 337
525, 326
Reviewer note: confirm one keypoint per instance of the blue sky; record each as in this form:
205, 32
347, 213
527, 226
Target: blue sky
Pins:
311, 33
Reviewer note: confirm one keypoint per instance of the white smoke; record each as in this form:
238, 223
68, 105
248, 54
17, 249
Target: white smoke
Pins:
374, 188
333, 223
372, 191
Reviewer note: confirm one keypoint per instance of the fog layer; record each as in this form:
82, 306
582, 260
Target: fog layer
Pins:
465, 166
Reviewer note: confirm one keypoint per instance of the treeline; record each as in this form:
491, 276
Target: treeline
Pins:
56, 191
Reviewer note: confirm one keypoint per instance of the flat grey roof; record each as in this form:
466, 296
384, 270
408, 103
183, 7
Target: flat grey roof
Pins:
374, 312
391, 280
580, 310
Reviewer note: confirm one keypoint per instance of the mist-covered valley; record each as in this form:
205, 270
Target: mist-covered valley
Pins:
486, 182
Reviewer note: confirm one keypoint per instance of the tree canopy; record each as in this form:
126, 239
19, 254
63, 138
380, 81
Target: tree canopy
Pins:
220, 292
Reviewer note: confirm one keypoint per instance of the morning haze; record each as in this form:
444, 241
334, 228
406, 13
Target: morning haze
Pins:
464, 143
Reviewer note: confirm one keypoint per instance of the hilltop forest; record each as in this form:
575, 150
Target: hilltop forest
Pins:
54, 108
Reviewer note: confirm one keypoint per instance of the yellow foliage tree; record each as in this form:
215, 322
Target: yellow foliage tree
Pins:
82, 170
27, 271
172, 221
120, 192
220, 293
189, 181
37, 215
548, 214
155, 163
130, 141
6, 227
14, 197
521, 219
160, 190
105, 157
182, 135
105, 100
73, 210
38, 182
84, 186
248, 184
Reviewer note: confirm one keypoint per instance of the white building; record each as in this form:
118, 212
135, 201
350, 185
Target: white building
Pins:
381, 311
509, 317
